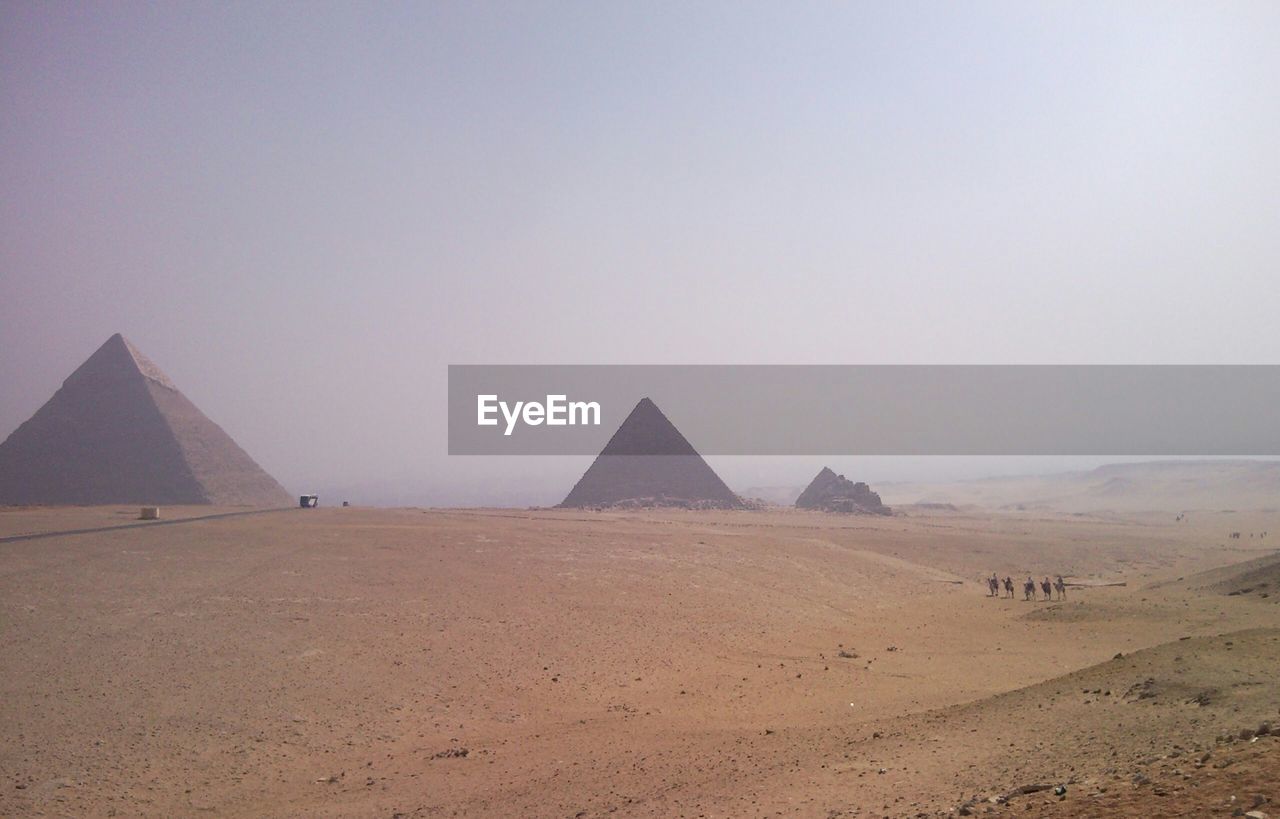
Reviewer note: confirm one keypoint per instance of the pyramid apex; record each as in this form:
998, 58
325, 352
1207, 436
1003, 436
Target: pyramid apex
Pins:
143, 364
646, 405
647, 431
117, 342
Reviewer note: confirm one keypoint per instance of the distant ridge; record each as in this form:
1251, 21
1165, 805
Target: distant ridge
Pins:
119, 431
1171, 486
648, 462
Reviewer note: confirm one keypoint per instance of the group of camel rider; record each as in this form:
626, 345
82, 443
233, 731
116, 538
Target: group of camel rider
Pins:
1028, 588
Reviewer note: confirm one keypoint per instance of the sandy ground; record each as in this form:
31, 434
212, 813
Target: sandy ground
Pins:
349, 662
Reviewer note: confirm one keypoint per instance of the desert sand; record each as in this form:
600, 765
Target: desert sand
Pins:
354, 662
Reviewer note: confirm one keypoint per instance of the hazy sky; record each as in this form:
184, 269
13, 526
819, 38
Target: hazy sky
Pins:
304, 212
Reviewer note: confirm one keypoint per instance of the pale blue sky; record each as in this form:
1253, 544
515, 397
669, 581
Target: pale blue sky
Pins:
304, 212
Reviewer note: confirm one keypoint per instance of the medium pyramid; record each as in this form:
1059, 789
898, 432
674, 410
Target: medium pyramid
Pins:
648, 462
119, 431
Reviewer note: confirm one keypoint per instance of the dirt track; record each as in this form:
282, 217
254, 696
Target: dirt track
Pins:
339, 661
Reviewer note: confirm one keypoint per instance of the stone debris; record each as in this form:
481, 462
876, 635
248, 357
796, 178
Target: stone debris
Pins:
452, 753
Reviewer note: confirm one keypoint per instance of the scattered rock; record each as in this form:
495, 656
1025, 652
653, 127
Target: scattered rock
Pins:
1028, 789
1203, 698
452, 753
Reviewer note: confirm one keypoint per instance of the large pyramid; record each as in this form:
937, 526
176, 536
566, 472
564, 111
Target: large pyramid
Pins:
648, 462
118, 431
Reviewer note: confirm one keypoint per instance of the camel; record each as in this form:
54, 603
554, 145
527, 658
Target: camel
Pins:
1047, 588
1029, 590
1008, 587
1061, 586
993, 586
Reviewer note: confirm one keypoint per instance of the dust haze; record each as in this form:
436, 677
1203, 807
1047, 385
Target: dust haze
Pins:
304, 218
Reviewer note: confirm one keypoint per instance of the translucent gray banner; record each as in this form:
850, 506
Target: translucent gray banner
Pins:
873, 410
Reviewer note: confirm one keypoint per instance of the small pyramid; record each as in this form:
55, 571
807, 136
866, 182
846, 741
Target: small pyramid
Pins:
648, 462
836, 493
119, 431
